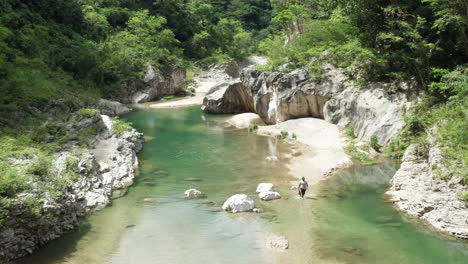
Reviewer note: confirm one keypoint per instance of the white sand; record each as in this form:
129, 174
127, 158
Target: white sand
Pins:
203, 83
318, 149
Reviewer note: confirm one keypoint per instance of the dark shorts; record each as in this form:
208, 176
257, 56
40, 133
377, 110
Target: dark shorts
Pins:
303, 191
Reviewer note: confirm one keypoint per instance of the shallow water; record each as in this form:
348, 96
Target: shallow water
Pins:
345, 220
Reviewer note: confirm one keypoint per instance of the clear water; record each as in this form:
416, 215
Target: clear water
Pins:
347, 219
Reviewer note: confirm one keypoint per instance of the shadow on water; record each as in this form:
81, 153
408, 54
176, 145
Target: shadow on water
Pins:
57, 251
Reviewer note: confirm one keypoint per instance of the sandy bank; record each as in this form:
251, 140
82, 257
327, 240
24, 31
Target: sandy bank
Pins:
318, 149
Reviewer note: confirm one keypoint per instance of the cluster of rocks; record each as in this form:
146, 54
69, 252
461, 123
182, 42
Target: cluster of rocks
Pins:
101, 173
418, 189
276, 97
243, 203
266, 192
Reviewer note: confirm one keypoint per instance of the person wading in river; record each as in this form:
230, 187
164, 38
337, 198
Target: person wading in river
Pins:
303, 186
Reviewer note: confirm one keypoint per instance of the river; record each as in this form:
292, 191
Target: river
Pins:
346, 219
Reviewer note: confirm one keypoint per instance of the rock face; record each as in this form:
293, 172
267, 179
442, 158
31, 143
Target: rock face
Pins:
156, 85
228, 99
112, 108
101, 173
418, 190
277, 97
245, 120
265, 187
238, 203
269, 195
193, 193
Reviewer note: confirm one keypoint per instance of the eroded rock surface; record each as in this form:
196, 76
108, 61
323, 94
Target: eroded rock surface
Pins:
418, 190
101, 173
277, 97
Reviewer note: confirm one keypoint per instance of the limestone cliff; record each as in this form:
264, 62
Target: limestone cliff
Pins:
276, 97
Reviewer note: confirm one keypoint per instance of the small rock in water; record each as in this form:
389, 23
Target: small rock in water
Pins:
205, 202
277, 242
161, 173
193, 193
150, 200
293, 187
269, 195
130, 226
214, 209
257, 210
193, 179
352, 250
271, 158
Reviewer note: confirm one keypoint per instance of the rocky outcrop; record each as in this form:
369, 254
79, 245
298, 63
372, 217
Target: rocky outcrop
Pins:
244, 120
277, 97
92, 177
112, 108
418, 190
153, 85
156, 85
228, 98
238, 203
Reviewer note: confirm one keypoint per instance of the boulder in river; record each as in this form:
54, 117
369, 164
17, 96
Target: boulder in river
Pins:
239, 203
269, 195
264, 187
193, 193
271, 158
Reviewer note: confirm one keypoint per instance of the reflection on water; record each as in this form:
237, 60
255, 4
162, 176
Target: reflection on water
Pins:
345, 219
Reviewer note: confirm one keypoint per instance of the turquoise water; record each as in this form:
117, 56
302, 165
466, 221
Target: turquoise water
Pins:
345, 220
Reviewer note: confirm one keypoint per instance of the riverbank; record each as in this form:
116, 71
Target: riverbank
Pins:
317, 147
94, 164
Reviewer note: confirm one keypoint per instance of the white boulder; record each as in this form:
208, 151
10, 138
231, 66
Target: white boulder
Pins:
193, 193
271, 158
264, 187
238, 203
269, 195
245, 120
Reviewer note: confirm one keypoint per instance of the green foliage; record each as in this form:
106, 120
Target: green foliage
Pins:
445, 108
88, 112
463, 196
358, 155
294, 136
283, 134
253, 128
349, 131
374, 143
11, 181
119, 126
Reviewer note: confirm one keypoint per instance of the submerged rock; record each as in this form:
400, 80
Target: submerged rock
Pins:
269, 195
264, 187
239, 203
271, 158
193, 193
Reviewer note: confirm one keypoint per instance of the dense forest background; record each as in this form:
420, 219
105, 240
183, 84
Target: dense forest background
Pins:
88, 49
